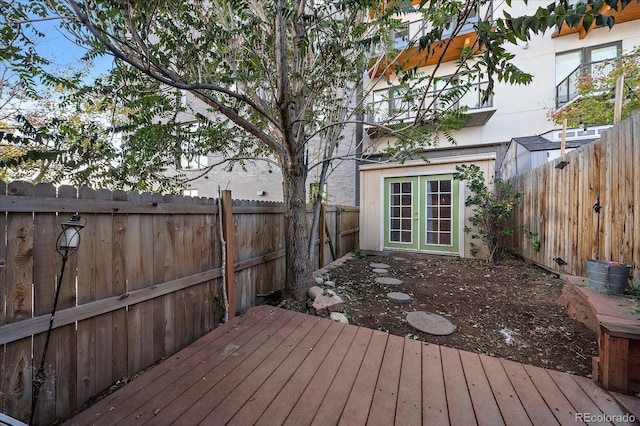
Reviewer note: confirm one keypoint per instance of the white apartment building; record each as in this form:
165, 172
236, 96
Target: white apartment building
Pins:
417, 205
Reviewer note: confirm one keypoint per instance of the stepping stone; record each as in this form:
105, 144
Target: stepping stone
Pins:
380, 265
388, 281
339, 317
430, 323
381, 271
400, 259
398, 297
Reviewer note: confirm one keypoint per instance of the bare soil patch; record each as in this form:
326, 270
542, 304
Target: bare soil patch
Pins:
507, 310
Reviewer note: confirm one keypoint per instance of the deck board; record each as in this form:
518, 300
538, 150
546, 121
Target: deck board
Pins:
357, 409
562, 409
332, 406
534, 404
272, 366
409, 408
511, 408
434, 397
383, 406
482, 398
460, 407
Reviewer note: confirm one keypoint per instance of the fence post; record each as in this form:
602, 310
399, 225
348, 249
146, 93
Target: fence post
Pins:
322, 232
338, 232
227, 229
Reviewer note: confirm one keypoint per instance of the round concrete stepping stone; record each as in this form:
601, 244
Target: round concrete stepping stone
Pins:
399, 297
400, 259
381, 271
339, 317
430, 323
380, 265
388, 281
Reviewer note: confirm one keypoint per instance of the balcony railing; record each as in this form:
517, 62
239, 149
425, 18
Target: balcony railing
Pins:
398, 108
567, 90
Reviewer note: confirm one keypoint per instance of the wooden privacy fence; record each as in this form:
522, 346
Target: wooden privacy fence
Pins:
586, 209
145, 282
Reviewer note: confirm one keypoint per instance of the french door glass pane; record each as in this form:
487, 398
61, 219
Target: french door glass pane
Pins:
439, 208
401, 212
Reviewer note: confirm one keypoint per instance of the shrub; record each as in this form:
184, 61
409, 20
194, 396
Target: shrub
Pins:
492, 208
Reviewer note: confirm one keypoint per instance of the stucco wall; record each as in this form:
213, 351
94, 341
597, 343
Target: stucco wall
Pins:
371, 195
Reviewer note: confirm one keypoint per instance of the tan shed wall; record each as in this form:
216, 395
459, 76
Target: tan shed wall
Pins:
371, 192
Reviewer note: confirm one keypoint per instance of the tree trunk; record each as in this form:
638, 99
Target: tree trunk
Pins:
296, 235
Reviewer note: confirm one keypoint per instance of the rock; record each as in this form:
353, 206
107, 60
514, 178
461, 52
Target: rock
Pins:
314, 292
398, 297
379, 265
339, 317
325, 304
388, 281
430, 323
329, 283
319, 280
381, 271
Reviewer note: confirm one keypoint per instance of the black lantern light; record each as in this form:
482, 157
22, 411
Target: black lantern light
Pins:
67, 243
69, 238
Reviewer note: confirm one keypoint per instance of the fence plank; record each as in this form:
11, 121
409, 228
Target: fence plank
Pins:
134, 282
635, 137
18, 292
103, 273
187, 266
146, 276
628, 224
228, 235
64, 339
159, 256
170, 274
86, 330
3, 298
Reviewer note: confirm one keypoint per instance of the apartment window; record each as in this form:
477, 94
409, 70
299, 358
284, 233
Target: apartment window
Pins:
190, 192
569, 62
193, 161
572, 65
471, 20
191, 156
570, 2
393, 104
400, 37
388, 104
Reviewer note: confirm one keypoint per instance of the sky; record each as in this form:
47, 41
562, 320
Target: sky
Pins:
63, 52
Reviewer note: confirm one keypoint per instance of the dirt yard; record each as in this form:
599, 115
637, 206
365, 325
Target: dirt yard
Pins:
507, 311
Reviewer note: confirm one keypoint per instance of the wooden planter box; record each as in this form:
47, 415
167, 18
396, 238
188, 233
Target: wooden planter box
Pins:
619, 358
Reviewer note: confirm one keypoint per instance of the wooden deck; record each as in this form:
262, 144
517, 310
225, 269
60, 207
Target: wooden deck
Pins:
272, 366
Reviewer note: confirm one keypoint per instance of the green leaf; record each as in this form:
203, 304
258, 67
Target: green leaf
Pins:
587, 21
